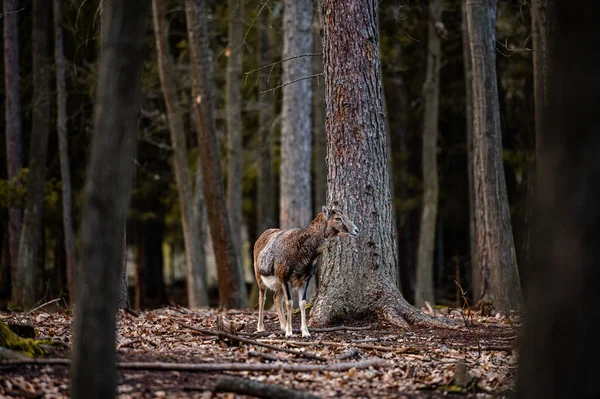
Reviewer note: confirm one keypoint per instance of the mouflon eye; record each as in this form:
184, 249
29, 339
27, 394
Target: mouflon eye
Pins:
338, 219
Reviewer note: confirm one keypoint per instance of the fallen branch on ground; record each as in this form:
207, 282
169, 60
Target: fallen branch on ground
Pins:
200, 367
312, 330
246, 386
333, 343
253, 342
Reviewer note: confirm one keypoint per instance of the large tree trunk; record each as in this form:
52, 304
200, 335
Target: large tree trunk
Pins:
559, 351
295, 177
232, 290
358, 175
106, 198
468, 71
431, 88
234, 122
63, 148
196, 286
14, 146
25, 291
495, 246
266, 184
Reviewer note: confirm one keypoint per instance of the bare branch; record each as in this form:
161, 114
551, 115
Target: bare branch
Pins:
291, 82
279, 62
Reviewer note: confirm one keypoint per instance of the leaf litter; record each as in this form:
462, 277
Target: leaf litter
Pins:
386, 362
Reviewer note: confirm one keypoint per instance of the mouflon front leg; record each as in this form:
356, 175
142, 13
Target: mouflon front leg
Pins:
278, 301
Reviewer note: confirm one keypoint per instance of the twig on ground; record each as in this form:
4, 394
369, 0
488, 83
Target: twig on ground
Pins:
253, 342
352, 352
463, 294
245, 386
42, 305
201, 367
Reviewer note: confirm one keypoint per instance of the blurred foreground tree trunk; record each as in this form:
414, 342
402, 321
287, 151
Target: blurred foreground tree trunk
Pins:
495, 246
232, 290
26, 289
234, 121
106, 198
559, 351
295, 177
425, 253
196, 286
468, 71
358, 176
63, 148
14, 146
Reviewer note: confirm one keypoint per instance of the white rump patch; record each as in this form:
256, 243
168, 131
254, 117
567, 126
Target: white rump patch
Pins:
272, 282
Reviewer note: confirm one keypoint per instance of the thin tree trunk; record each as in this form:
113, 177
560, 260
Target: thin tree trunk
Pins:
266, 183
63, 148
295, 177
106, 198
496, 250
468, 70
234, 121
425, 253
318, 127
124, 302
318, 109
558, 350
543, 22
196, 286
232, 290
14, 146
25, 291
358, 174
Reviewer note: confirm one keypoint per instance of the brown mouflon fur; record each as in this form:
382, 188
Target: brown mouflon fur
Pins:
285, 260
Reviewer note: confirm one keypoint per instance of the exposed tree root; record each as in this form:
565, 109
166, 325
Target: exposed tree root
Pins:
387, 303
27, 346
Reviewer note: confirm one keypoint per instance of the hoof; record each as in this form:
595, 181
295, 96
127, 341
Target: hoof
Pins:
260, 329
305, 334
288, 334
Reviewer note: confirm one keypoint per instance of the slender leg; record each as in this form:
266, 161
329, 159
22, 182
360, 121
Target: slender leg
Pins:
262, 295
302, 302
277, 300
288, 303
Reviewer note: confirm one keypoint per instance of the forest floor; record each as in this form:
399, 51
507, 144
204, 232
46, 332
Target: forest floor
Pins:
161, 355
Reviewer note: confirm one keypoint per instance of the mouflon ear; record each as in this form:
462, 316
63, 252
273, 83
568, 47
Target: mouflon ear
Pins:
326, 212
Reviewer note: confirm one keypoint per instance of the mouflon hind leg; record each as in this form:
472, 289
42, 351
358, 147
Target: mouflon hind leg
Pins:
277, 300
302, 303
262, 295
288, 304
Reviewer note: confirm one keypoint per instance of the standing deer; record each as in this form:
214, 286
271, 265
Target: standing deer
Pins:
285, 260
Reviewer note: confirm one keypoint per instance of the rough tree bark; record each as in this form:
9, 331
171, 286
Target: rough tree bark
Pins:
232, 290
106, 198
234, 121
495, 245
468, 71
431, 92
196, 286
26, 289
357, 175
266, 184
559, 351
295, 177
63, 148
14, 146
